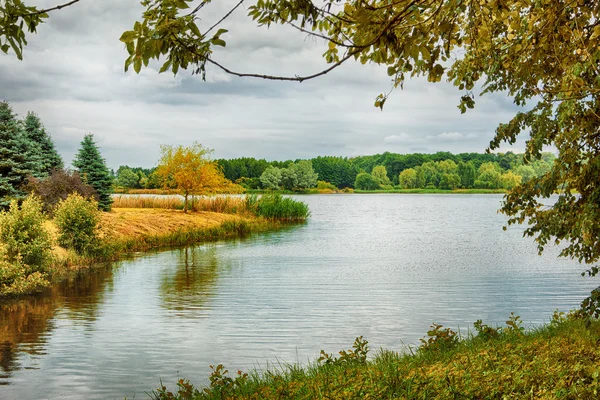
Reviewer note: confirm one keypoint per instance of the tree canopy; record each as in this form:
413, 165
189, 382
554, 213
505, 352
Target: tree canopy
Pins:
544, 54
92, 168
189, 170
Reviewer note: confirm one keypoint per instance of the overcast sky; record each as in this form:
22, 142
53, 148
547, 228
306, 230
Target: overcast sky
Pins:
72, 76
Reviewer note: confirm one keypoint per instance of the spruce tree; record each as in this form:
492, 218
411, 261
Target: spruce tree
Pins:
92, 168
42, 157
13, 156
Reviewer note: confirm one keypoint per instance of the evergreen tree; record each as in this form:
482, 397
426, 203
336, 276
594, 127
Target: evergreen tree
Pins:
92, 168
42, 156
13, 161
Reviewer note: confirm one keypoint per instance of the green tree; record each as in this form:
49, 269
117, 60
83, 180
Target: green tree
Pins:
271, 178
380, 174
450, 181
289, 178
467, 173
408, 179
526, 172
42, 153
306, 177
127, 178
366, 181
92, 169
510, 180
13, 156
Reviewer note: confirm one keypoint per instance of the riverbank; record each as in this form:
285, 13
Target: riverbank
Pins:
559, 360
138, 226
159, 192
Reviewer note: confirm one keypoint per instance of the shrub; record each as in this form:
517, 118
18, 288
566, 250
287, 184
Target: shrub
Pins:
23, 234
78, 222
25, 248
58, 186
323, 185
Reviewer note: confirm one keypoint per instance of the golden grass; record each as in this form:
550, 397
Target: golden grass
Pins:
219, 204
136, 222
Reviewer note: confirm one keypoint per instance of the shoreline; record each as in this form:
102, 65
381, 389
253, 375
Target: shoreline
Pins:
129, 232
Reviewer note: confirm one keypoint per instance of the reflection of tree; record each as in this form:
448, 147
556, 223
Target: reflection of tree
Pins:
193, 282
24, 323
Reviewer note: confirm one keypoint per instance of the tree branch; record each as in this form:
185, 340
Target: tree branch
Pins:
58, 7
283, 78
224, 17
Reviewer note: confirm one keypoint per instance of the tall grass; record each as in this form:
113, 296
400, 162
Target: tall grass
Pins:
559, 360
270, 206
275, 206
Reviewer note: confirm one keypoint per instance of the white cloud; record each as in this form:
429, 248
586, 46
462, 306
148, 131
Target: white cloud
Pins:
452, 137
72, 75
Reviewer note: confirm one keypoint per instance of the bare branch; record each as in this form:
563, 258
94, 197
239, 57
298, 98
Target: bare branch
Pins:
58, 7
224, 17
283, 78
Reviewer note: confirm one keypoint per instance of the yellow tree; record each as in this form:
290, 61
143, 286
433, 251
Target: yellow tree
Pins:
189, 170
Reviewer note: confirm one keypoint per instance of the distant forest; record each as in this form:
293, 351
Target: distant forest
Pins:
442, 170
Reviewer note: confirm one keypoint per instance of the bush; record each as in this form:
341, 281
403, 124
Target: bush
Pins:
78, 222
58, 186
23, 234
365, 181
25, 248
326, 185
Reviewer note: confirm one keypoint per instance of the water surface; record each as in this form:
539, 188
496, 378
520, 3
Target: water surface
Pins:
382, 266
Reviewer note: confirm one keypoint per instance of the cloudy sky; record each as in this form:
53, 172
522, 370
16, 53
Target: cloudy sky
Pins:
72, 76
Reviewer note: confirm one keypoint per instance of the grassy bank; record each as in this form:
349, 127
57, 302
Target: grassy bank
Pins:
142, 224
558, 361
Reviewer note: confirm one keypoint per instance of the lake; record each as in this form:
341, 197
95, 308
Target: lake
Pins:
382, 266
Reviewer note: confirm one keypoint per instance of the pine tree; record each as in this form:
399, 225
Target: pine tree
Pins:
92, 168
13, 156
42, 155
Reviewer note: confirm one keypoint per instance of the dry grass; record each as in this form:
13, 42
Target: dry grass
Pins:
218, 204
166, 202
136, 222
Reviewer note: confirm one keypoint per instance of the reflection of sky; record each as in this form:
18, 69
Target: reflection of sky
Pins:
382, 266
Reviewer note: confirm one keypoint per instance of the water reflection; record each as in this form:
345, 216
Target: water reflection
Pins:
188, 288
26, 325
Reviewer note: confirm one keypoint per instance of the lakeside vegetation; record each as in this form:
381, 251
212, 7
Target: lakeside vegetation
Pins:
36, 250
555, 361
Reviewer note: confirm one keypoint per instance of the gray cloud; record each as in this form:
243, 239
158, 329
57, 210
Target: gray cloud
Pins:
73, 77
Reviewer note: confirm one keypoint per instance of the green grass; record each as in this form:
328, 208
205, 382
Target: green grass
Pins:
558, 361
273, 206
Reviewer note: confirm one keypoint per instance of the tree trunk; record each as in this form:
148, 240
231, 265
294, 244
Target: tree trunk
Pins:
185, 208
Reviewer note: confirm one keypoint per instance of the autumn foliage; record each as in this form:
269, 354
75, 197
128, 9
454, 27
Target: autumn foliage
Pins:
189, 171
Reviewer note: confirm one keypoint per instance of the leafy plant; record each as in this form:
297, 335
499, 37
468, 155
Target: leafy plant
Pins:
358, 354
23, 234
438, 338
78, 222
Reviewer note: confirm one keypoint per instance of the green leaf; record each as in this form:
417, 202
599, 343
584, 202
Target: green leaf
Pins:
194, 28
182, 4
165, 66
5, 48
15, 48
137, 65
220, 32
391, 70
128, 36
218, 42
